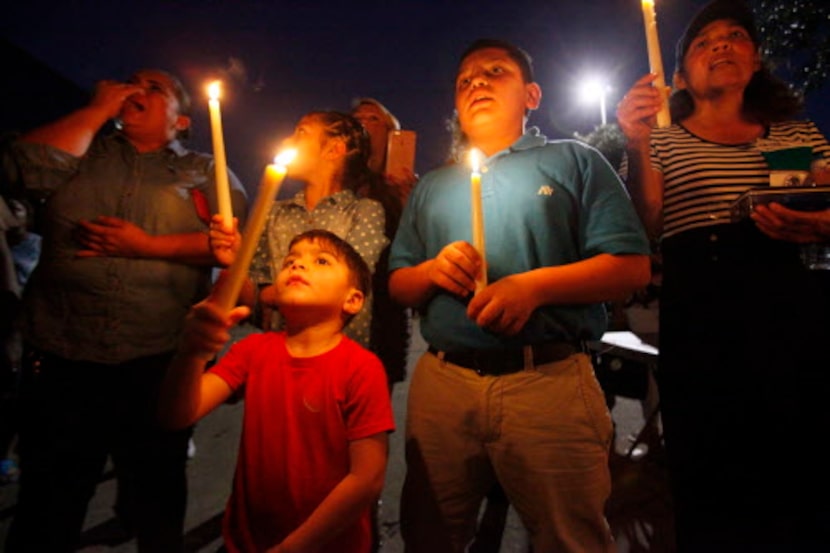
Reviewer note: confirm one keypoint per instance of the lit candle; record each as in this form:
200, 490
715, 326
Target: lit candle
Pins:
223, 191
229, 287
655, 61
477, 218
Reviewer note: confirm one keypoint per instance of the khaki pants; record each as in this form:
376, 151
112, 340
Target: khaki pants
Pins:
544, 433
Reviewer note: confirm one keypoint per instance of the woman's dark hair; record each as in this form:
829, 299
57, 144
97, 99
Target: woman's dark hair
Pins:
356, 173
767, 99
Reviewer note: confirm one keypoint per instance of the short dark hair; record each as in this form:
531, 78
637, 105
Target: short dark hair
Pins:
179, 91
518, 55
360, 275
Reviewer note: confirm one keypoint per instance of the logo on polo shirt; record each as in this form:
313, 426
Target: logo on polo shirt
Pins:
545, 190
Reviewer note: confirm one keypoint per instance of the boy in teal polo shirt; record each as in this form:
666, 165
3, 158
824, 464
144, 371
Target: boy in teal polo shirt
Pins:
505, 393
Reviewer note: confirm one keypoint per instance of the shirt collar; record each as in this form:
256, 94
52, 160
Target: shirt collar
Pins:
174, 146
336, 198
532, 138
177, 148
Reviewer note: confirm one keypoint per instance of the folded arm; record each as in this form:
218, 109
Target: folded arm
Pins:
347, 501
114, 237
454, 269
506, 305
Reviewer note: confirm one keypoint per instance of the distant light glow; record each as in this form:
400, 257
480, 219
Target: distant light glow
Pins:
592, 90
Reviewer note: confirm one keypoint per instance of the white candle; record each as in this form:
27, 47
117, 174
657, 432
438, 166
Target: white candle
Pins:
655, 61
477, 218
223, 191
229, 287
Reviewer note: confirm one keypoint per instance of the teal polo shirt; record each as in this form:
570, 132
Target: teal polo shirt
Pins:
546, 203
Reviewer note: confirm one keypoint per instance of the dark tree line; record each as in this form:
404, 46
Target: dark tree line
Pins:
796, 35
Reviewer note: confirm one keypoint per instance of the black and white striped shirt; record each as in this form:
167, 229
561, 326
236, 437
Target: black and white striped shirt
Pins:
703, 179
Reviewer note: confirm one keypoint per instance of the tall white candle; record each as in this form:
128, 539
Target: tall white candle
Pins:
477, 218
655, 61
227, 293
223, 191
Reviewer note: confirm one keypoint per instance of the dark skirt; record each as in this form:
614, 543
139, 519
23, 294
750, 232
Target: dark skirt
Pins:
742, 378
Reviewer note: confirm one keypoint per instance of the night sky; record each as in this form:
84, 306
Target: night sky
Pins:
281, 59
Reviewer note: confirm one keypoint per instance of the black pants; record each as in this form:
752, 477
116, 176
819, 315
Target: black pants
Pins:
743, 381
75, 414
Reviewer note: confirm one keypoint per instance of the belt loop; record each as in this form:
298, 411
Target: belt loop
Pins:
527, 351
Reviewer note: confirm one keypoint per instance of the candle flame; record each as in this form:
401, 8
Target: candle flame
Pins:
285, 157
649, 3
475, 159
214, 90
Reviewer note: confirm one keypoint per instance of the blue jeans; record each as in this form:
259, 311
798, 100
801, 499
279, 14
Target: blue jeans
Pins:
543, 433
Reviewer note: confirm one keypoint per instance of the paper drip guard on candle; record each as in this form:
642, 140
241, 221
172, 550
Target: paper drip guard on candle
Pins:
655, 61
477, 217
223, 191
227, 292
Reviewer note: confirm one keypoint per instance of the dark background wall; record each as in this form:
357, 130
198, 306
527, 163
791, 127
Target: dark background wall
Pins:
33, 93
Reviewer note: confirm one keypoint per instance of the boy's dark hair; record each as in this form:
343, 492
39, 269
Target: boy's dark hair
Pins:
766, 98
518, 55
359, 273
460, 142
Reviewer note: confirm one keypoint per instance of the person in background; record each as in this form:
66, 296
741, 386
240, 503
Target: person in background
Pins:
332, 151
13, 231
505, 392
125, 253
314, 444
391, 327
742, 321
379, 122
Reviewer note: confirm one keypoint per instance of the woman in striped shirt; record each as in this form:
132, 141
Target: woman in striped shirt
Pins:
742, 377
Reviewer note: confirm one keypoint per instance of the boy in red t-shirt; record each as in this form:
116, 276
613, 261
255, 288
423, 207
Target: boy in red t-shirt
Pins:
312, 456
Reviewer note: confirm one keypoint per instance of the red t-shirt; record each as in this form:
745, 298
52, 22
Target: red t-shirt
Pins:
300, 415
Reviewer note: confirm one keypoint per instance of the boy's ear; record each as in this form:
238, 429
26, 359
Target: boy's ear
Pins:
354, 301
533, 96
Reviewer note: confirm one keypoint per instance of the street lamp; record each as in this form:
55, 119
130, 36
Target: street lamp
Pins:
596, 89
